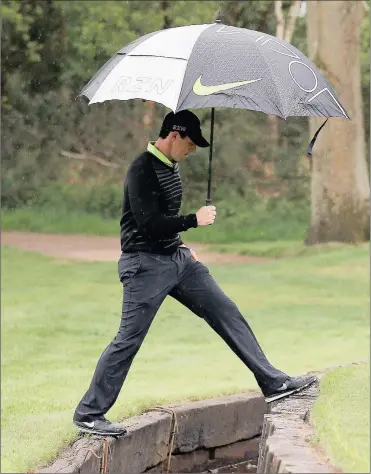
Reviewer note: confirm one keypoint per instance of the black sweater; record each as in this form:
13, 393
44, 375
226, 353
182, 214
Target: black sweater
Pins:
150, 219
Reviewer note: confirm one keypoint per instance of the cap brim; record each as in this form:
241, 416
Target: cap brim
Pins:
200, 141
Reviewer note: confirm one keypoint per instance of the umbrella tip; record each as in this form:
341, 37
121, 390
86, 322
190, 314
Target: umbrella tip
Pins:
218, 18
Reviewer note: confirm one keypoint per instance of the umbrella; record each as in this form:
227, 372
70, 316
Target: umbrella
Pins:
216, 65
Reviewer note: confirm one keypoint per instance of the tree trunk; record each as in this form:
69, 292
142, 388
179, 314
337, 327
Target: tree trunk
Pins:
148, 114
165, 6
340, 185
291, 20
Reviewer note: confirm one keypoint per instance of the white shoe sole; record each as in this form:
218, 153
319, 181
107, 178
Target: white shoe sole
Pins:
278, 396
100, 433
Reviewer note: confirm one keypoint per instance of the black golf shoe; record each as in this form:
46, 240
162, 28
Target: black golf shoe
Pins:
291, 386
100, 426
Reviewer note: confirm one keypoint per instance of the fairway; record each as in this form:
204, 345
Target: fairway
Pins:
341, 417
308, 313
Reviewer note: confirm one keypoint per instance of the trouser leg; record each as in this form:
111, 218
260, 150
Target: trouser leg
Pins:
146, 281
199, 292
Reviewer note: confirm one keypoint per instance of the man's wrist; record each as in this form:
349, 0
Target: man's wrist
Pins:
191, 221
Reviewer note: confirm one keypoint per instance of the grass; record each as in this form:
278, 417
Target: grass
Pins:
281, 248
58, 316
62, 222
341, 417
236, 222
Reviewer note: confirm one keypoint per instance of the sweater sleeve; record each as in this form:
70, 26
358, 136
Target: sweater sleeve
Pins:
143, 190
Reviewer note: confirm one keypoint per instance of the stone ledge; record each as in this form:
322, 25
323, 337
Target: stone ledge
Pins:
285, 446
202, 425
286, 435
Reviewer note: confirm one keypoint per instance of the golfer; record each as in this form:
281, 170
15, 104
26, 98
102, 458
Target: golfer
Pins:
155, 263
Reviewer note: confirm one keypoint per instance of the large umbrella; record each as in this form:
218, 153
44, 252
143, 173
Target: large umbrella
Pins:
215, 65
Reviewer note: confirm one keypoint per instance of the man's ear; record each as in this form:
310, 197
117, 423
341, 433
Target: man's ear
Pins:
174, 135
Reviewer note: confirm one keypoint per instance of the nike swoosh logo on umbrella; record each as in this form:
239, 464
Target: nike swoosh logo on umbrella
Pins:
200, 89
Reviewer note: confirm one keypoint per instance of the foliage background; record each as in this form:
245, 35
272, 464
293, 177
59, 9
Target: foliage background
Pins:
53, 145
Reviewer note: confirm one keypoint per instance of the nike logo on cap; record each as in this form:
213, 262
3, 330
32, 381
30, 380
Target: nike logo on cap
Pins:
200, 89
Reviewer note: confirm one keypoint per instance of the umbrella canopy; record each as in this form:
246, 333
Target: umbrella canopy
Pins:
214, 65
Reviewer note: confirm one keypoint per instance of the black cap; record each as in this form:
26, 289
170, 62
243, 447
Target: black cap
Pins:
187, 122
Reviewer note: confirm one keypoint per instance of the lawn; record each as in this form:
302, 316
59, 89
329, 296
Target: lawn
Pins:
341, 417
236, 221
309, 313
282, 248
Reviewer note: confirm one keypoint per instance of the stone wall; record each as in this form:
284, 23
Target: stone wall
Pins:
238, 433
285, 445
210, 434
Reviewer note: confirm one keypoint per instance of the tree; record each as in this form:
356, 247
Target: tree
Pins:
340, 185
32, 45
48, 135
365, 70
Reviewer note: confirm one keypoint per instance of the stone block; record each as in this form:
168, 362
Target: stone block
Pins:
242, 450
196, 461
146, 446
80, 454
217, 422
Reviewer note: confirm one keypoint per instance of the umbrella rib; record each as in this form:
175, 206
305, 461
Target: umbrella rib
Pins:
281, 110
153, 56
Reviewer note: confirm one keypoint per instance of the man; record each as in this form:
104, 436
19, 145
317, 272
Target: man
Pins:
155, 263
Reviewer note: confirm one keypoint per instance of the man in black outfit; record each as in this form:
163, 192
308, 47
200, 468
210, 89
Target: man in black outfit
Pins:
155, 263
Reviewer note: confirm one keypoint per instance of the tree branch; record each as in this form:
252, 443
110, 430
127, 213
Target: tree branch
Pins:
290, 24
263, 21
280, 29
84, 156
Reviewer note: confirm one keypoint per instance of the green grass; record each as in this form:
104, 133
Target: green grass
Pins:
281, 248
57, 317
237, 221
59, 222
341, 417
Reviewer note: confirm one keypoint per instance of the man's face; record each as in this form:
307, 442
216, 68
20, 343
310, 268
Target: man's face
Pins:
181, 147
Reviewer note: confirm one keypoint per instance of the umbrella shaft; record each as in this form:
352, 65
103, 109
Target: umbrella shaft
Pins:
208, 200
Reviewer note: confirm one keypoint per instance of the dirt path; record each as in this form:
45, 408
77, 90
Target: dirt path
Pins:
99, 249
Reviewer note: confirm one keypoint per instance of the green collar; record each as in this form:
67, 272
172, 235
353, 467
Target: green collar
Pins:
158, 154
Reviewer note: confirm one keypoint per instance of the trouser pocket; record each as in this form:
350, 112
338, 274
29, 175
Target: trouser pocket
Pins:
128, 266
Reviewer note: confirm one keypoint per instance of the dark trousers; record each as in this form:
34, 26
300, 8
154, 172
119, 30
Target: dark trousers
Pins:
147, 280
